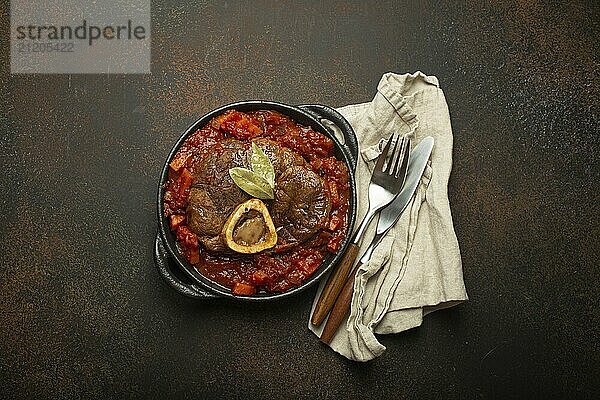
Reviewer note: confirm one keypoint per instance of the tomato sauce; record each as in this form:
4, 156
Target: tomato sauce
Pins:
283, 267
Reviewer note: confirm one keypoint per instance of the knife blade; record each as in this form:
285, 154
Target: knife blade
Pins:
390, 214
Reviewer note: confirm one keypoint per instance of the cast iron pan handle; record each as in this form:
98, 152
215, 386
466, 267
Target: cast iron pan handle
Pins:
319, 112
169, 272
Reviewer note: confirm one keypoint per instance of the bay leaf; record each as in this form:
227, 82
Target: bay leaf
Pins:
261, 165
252, 183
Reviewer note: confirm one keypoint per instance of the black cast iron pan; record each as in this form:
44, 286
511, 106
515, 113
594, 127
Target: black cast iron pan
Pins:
180, 274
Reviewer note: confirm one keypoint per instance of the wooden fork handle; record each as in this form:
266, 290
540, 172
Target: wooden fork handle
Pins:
340, 309
334, 285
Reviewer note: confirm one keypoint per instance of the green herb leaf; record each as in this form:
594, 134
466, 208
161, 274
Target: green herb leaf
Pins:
261, 165
251, 183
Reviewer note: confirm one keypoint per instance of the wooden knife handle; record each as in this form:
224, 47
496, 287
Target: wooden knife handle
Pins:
334, 285
340, 309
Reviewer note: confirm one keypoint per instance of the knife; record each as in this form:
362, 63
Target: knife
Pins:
387, 218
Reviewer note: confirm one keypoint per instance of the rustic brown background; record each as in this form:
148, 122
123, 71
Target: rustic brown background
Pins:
83, 314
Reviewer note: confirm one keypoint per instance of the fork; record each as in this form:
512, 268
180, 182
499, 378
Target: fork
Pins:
385, 185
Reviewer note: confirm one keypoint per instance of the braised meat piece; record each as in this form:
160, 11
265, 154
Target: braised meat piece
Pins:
300, 208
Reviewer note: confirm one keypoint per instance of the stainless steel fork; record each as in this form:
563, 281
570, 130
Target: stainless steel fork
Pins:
386, 182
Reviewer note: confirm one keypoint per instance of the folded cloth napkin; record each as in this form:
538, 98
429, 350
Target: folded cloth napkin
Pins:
416, 268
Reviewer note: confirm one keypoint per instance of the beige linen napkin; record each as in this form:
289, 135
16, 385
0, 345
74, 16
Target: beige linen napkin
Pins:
416, 268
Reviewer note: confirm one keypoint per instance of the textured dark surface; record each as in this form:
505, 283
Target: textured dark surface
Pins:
84, 313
